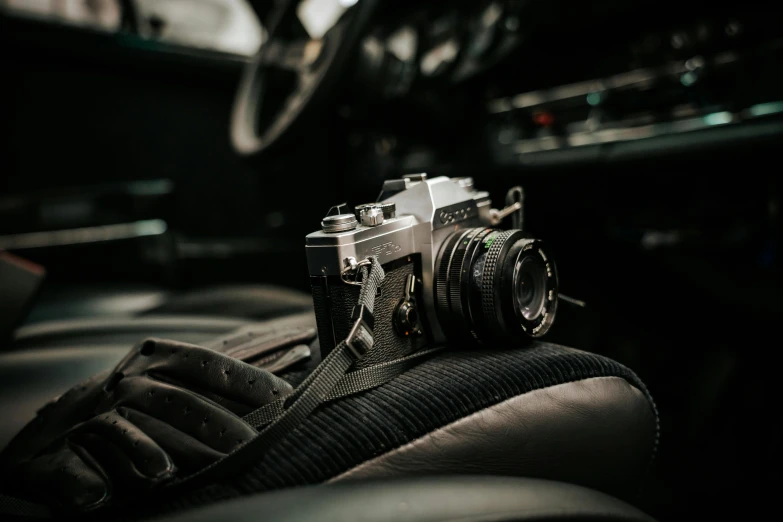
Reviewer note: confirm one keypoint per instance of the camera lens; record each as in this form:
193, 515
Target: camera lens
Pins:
495, 286
530, 287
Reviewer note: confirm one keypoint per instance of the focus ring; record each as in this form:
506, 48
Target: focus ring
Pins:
488, 287
461, 293
455, 272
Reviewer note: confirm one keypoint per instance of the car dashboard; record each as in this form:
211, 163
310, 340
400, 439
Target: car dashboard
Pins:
553, 83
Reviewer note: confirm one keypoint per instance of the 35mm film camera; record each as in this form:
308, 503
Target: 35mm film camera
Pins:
450, 276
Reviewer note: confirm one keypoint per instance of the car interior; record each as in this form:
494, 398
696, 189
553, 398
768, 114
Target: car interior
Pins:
170, 172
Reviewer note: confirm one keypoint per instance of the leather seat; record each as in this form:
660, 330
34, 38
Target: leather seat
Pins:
74, 332
48, 358
468, 499
231, 301
545, 411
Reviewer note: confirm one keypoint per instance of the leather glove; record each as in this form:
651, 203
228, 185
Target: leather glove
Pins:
166, 411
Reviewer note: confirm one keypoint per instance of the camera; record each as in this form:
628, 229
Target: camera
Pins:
451, 276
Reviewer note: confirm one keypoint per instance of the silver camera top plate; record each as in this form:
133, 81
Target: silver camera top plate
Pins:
424, 208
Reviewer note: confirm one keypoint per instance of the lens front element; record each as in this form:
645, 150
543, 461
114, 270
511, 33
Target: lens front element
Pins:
530, 279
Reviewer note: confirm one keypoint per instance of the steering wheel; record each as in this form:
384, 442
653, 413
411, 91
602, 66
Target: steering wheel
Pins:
314, 64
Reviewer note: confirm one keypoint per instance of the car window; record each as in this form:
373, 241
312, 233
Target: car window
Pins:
221, 25
228, 26
96, 14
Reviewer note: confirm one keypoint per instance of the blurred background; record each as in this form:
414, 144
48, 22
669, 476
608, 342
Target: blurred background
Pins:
646, 135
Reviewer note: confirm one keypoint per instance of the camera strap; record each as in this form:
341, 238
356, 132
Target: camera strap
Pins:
320, 386
354, 382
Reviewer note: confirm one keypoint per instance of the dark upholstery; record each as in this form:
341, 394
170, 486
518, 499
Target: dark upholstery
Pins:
48, 358
468, 499
57, 303
544, 411
543, 445
236, 301
230, 301
31, 378
74, 332
121, 332
600, 431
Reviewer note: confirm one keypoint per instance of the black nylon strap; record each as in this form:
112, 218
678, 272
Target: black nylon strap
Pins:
371, 281
265, 414
377, 374
312, 392
355, 382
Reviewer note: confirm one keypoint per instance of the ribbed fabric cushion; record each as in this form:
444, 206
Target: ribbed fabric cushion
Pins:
441, 390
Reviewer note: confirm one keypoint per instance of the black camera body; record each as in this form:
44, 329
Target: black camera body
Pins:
450, 276
334, 304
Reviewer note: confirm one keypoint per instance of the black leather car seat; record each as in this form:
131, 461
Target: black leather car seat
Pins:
246, 301
545, 411
76, 331
47, 358
466, 498
73, 332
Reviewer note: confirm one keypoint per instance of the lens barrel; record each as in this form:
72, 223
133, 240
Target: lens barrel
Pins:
495, 286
